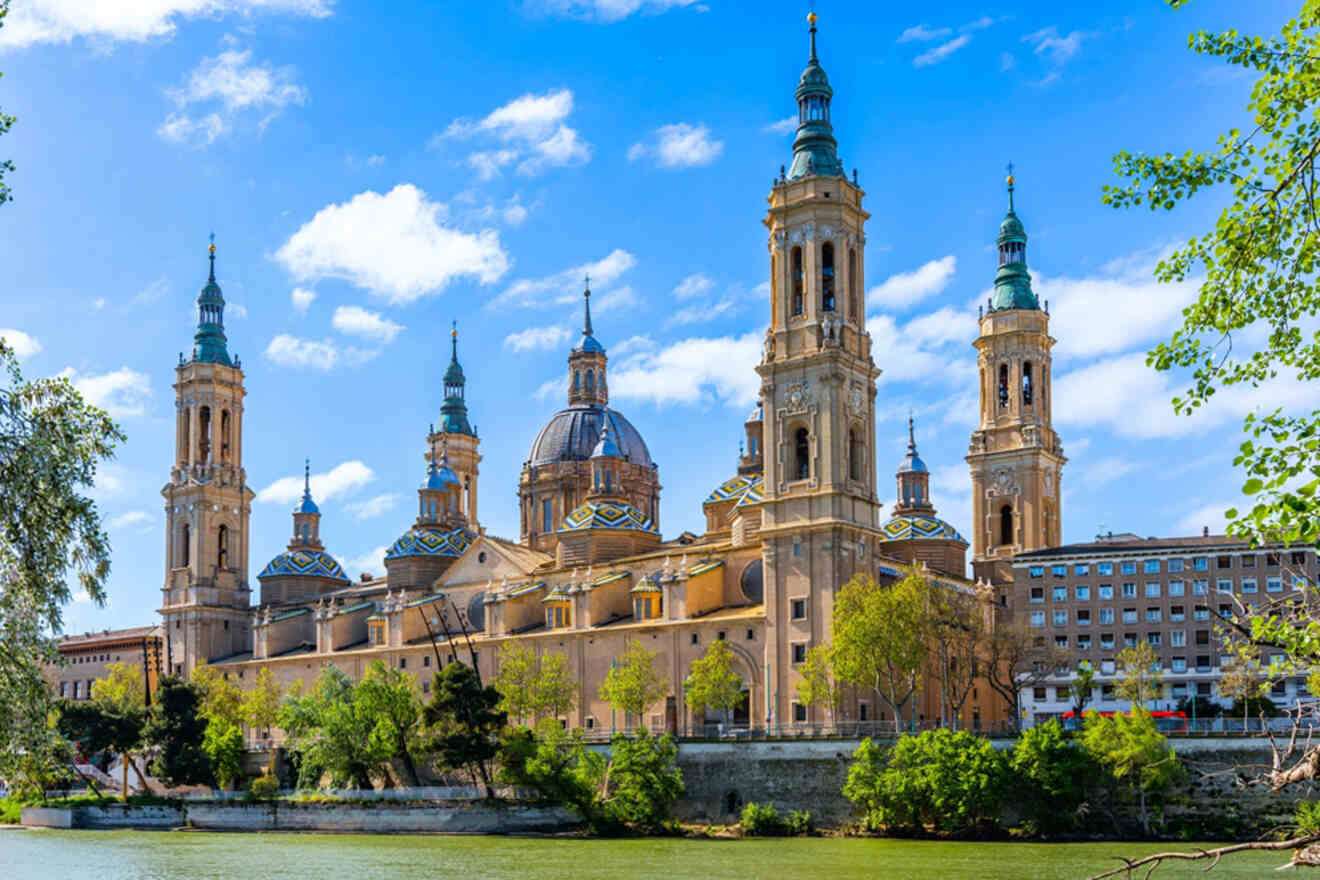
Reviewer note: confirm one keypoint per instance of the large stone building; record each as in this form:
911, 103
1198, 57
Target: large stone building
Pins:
799, 516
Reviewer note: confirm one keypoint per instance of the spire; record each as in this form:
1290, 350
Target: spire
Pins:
815, 152
586, 306
307, 505
1012, 280
209, 343
453, 414
913, 462
912, 441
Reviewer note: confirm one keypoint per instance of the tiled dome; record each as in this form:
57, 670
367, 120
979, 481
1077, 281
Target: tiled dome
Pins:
735, 488
427, 541
572, 433
304, 563
906, 528
608, 515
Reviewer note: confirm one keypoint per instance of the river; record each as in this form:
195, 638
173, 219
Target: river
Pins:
139, 855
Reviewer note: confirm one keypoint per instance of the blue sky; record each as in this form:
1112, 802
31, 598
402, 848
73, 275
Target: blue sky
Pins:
374, 171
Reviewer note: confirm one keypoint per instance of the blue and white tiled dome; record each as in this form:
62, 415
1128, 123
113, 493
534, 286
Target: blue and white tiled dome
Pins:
907, 528
430, 541
608, 515
304, 563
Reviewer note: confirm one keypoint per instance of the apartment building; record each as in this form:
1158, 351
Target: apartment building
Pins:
1096, 599
87, 657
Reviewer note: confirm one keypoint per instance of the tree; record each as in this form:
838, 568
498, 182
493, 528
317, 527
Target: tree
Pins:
957, 634
1139, 674
879, 637
97, 726
643, 780
1133, 750
121, 689
223, 745
219, 697
944, 779
177, 729
390, 697
557, 765
51, 443
260, 709
633, 684
712, 683
816, 685
469, 720
330, 731
533, 686
1051, 772
1245, 681
1018, 658
1082, 686
38, 759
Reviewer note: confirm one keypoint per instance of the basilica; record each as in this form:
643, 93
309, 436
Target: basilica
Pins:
591, 571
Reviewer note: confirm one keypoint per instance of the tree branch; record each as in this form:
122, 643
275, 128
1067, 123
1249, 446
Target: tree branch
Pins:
1155, 860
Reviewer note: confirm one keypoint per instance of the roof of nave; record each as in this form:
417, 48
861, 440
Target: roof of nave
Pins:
892, 567
919, 528
304, 563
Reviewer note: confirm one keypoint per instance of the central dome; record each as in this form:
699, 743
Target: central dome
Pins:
572, 433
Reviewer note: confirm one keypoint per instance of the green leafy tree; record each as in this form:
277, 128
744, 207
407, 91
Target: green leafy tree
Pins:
956, 631
468, 720
633, 684
880, 637
97, 726
816, 685
6, 122
38, 760
712, 683
390, 697
557, 765
941, 779
1050, 772
223, 745
643, 781
534, 686
51, 536
219, 697
1140, 678
331, 732
1019, 658
1135, 753
1082, 686
177, 730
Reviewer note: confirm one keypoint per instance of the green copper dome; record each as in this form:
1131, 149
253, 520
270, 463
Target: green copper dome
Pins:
815, 152
1013, 279
209, 344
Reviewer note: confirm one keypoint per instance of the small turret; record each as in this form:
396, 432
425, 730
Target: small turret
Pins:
210, 345
913, 481
306, 516
1012, 280
815, 152
453, 414
586, 362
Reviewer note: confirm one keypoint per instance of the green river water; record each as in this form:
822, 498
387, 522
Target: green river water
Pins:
120, 855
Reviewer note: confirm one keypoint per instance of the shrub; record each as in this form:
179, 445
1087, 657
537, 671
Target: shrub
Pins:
264, 786
761, 820
1052, 771
799, 822
644, 780
946, 780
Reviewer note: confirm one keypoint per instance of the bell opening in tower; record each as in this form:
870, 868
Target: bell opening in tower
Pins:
797, 281
803, 449
827, 277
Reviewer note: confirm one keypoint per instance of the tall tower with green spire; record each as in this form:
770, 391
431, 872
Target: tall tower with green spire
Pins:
814, 149
1015, 456
205, 596
456, 435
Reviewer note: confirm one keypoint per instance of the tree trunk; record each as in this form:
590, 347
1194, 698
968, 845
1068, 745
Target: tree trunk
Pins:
1141, 795
408, 764
123, 770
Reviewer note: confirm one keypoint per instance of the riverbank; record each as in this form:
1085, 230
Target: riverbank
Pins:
128, 855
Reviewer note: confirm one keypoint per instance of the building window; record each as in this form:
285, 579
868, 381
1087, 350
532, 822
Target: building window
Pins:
1038, 618
696, 638
222, 548
1107, 643
1084, 642
1106, 615
426, 661
1175, 588
1105, 591
1200, 588
1223, 562
1083, 617
556, 616
1153, 639
827, 277
1060, 594
1105, 568
1129, 615
1038, 694
1178, 638
1037, 571
1129, 640
577, 380
799, 713
1026, 383
1083, 593
1003, 384
799, 607
1178, 664
1224, 585
799, 652
1248, 585
1200, 563
1006, 524
1151, 566
1081, 569
751, 635
1128, 567
1273, 585
1297, 557
1060, 618
1152, 615
1175, 565
204, 435
1201, 612
1249, 560
1152, 589
403, 662
797, 280
1037, 595
802, 446
1061, 641
185, 550
855, 455
1177, 613
1129, 590
1059, 571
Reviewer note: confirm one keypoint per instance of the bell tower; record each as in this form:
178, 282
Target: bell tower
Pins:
206, 596
1015, 456
817, 411
457, 436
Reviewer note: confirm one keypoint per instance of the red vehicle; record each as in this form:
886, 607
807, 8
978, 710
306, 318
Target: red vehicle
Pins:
1165, 722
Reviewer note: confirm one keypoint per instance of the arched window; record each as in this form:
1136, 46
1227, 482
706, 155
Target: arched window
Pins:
802, 446
306, 532
1003, 384
1006, 524
854, 455
827, 277
797, 281
609, 481
224, 435
185, 545
591, 381
854, 306
577, 380
1026, 383
222, 548
185, 443
204, 435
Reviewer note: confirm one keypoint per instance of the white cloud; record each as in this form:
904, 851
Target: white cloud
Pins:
534, 338
232, 81
979, 24
696, 370
1207, 516
396, 246
374, 506
324, 355
235, 310
566, 286
24, 346
375, 161
98, 303
615, 299
1006, 61
1048, 41
342, 479
606, 11
549, 388
302, 298
1106, 470
60, 21
533, 131
700, 314
132, 518
122, 393
941, 52
914, 352
514, 213
357, 321
632, 343
922, 34
783, 126
679, 145
693, 285
372, 562
908, 288
152, 293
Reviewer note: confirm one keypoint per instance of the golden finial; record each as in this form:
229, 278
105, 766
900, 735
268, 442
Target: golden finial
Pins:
811, 18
